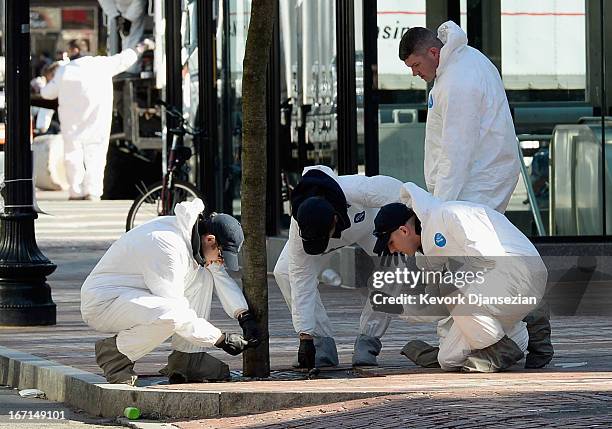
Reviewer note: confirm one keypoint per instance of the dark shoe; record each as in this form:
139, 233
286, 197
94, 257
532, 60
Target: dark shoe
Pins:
421, 354
194, 368
540, 349
118, 369
497, 357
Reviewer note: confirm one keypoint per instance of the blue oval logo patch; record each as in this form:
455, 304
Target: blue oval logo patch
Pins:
439, 239
359, 217
430, 101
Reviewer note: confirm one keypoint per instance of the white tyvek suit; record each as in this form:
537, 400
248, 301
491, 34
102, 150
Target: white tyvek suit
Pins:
484, 238
296, 272
133, 11
148, 286
84, 89
470, 143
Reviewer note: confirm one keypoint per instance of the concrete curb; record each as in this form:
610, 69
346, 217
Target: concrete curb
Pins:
91, 393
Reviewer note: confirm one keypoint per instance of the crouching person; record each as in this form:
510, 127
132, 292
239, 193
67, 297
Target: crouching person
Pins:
157, 281
485, 331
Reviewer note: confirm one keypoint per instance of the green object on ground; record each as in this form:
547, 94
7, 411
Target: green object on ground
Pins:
131, 413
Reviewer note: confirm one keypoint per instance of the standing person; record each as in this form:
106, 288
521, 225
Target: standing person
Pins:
470, 143
157, 281
330, 212
84, 89
486, 332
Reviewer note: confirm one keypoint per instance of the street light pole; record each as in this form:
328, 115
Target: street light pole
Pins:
25, 297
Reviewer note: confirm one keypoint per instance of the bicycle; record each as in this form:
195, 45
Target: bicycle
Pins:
161, 198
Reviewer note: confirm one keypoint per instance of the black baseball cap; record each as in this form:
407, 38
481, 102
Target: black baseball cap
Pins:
388, 219
228, 233
315, 217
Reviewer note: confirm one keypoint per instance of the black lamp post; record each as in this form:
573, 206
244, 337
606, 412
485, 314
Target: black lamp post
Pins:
25, 297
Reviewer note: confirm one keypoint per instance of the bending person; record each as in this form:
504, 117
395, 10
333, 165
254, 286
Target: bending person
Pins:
330, 212
486, 332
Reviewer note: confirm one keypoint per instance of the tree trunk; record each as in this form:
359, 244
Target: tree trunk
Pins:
256, 362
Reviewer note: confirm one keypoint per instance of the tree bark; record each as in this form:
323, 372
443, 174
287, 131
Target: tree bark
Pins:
256, 362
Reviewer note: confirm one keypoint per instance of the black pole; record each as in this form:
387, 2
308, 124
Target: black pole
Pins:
604, 112
273, 190
25, 297
370, 87
208, 104
174, 81
226, 121
347, 100
454, 11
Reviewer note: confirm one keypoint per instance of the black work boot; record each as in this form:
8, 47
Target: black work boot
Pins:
494, 358
194, 368
118, 369
540, 349
421, 354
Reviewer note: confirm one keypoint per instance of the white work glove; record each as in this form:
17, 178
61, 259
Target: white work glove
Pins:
37, 83
145, 45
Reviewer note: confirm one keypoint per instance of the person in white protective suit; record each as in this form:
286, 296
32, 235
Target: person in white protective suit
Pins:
129, 16
507, 273
471, 152
84, 89
330, 212
157, 281
470, 144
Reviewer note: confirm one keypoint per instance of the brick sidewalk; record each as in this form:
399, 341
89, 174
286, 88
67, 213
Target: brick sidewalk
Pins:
469, 409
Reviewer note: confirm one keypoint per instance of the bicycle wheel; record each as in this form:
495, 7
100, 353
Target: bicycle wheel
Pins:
148, 206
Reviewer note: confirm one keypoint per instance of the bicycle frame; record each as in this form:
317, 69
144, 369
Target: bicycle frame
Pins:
166, 204
176, 159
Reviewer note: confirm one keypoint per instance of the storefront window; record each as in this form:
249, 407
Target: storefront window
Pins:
544, 72
550, 58
230, 47
309, 89
395, 17
401, 132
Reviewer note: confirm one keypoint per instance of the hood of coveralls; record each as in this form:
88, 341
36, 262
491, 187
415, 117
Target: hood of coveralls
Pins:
187, 214
421, 201
321, 181
454, 39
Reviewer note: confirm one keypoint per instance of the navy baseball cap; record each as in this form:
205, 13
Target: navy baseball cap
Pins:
315, 217
228, 233
388, 219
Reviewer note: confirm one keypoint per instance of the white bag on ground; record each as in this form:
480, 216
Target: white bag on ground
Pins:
48, 156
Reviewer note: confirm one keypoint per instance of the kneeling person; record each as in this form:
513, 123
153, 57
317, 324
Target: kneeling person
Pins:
486, 335
157, 281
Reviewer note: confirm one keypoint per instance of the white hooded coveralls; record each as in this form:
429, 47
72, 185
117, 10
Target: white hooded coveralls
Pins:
470, 144
84, 89
485, 238
148, 286
296, 272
